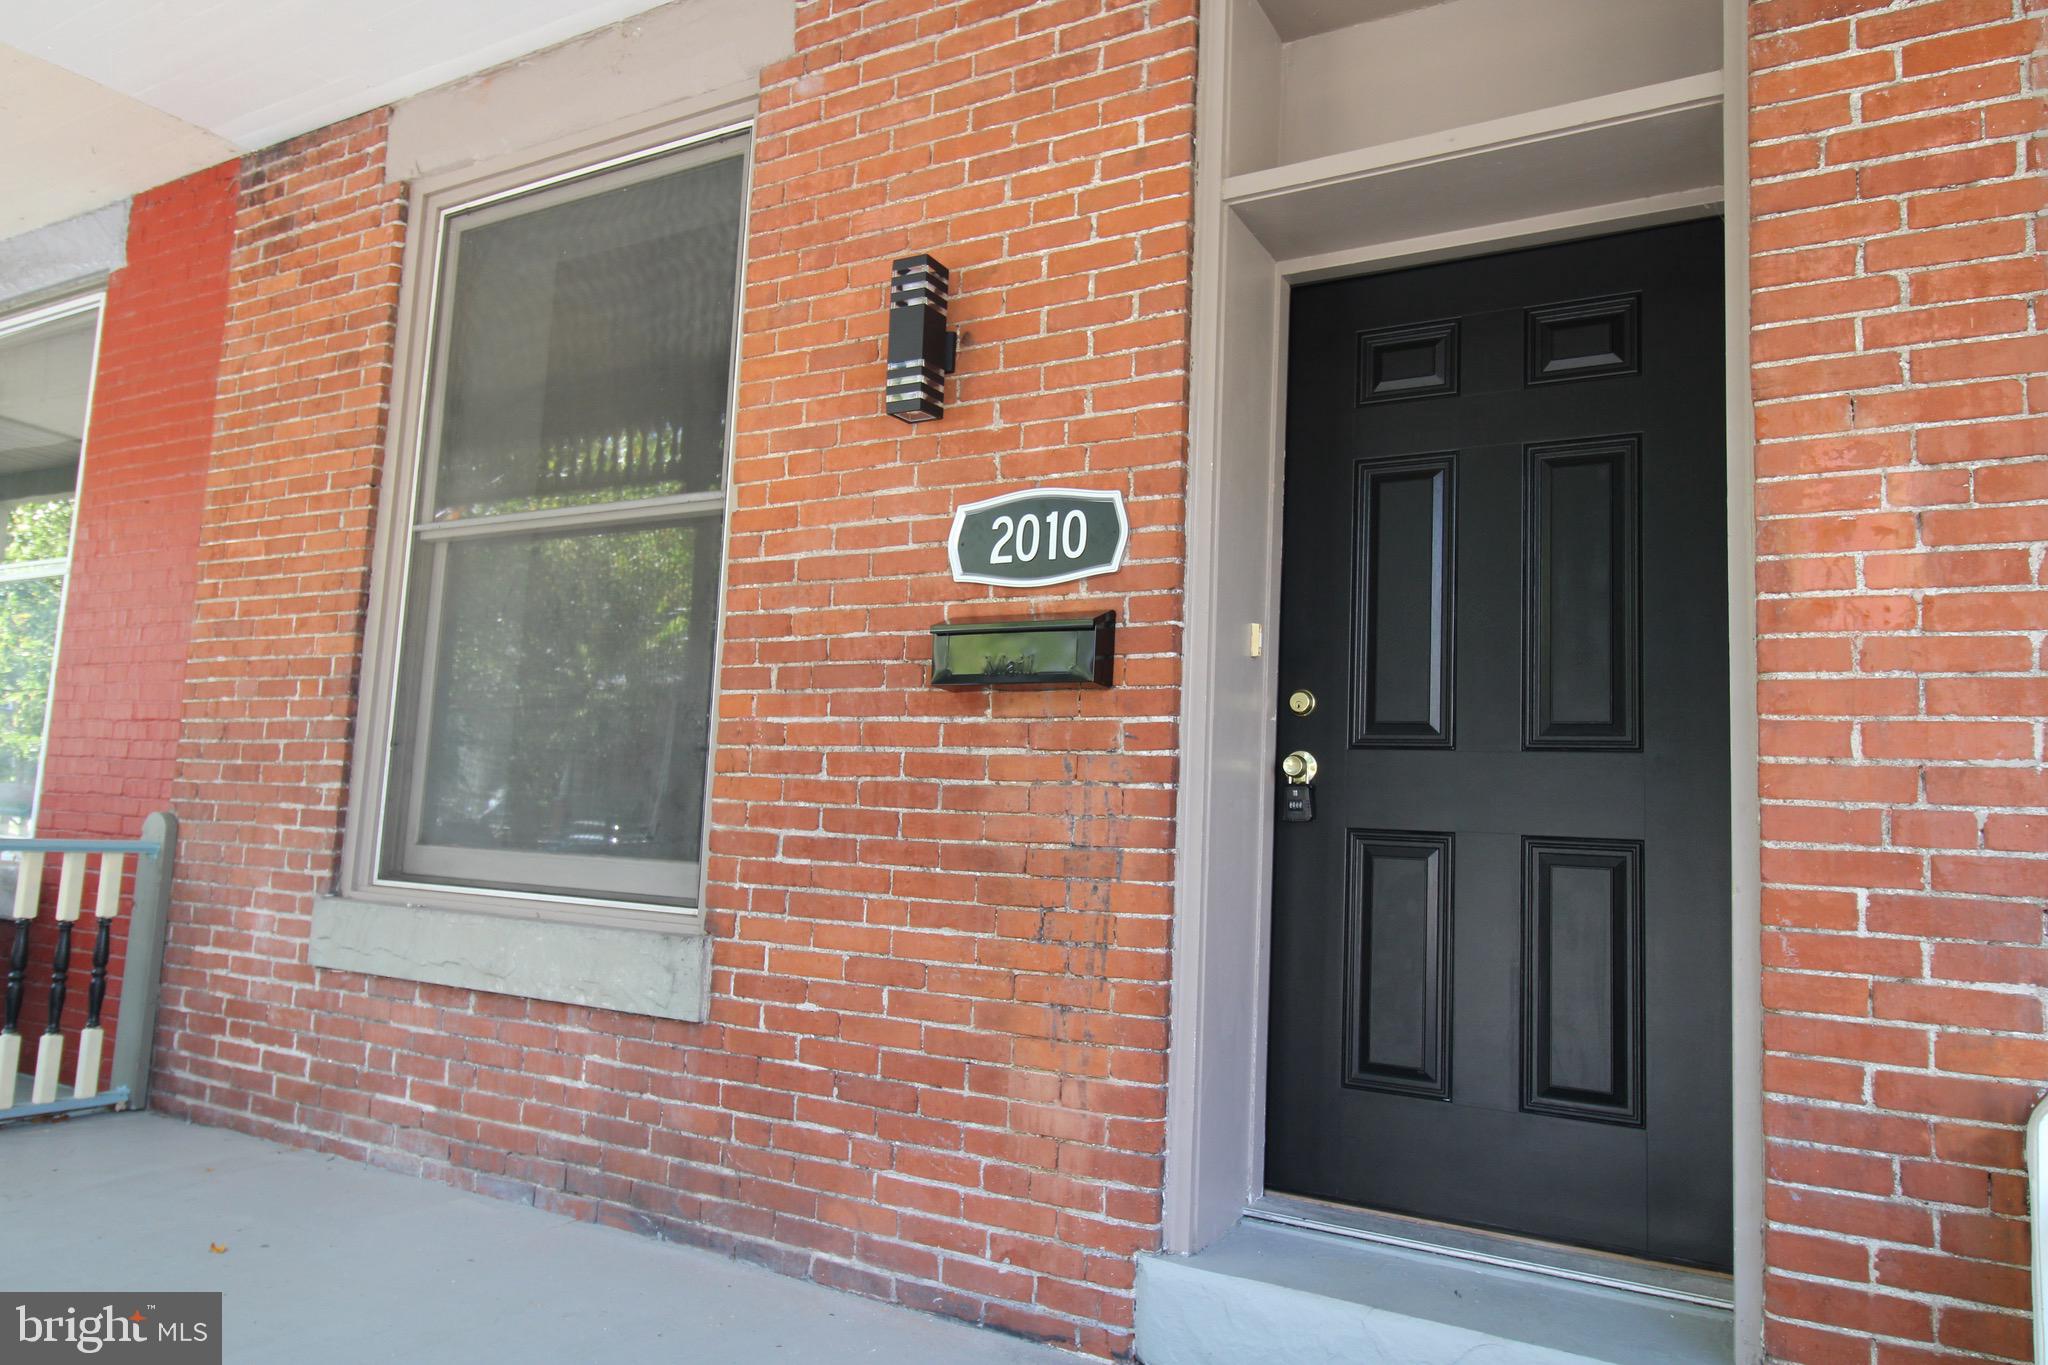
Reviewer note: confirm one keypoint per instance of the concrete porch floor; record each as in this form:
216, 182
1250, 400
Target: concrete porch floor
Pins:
331, 1260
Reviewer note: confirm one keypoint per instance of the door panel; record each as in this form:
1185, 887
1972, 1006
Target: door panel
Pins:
1401, 678
1500, 948
1397, 1009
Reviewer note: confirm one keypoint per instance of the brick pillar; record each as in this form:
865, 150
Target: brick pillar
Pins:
128, 607
943, 917
1902, 463
270, 683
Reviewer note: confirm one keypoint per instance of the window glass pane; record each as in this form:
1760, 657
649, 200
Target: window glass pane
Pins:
45, 376
36, 530
29, 609
570, 703
588, 345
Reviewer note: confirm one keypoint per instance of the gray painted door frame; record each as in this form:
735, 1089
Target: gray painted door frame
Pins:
1216, 1078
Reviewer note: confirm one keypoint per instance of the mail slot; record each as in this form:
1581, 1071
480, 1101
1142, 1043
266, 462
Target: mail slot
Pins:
1075, 652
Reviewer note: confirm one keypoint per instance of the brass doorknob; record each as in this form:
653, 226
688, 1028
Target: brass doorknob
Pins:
1299, 766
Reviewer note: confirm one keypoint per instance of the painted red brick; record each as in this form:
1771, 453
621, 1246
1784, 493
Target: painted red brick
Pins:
1903, 618
119, 685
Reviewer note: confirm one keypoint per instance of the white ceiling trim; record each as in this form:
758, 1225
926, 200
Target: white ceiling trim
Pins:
255, 72
69, 145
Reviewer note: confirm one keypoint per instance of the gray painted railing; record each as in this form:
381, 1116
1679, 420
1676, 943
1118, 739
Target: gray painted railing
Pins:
155, 855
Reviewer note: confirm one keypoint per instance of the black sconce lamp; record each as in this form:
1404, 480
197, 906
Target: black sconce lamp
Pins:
921, 350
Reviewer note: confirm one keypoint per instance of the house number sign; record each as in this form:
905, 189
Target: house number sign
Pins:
1038, 536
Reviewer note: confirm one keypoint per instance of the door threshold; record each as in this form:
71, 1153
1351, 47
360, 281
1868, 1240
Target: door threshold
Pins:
1653, 1279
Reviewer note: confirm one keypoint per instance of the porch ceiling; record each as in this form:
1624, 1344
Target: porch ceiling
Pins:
100, 99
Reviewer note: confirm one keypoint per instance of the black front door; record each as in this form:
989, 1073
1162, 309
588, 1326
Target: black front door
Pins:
1500, 945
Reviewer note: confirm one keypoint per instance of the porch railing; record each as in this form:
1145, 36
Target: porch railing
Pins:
107, 861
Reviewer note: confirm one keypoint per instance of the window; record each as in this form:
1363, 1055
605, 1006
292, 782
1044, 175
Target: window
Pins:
549, 726
46, 367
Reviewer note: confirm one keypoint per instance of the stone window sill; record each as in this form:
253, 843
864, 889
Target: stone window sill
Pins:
660, 972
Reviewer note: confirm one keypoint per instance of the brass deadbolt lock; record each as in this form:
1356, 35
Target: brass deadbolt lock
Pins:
1302, 702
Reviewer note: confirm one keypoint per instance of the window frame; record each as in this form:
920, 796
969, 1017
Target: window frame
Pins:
409, 457
14, 323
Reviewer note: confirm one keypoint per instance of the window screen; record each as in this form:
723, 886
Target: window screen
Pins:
551, 723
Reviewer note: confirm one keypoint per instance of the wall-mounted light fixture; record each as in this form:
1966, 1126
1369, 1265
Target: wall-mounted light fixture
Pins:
921, 350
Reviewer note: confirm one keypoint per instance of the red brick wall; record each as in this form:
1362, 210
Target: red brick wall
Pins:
128, 608
270, 681
935, 1067
943, 918
1902, 382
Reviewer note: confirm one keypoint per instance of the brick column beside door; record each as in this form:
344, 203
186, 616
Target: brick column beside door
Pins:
1901, 377
944, 917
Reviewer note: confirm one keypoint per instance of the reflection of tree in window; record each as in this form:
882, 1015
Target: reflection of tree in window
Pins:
32, 531
571, 709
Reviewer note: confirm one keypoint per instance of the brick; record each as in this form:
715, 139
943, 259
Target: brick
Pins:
1985, 441
1956, 1006
1889, 1220
1972, 48
1976, 203
1851, 222
2004, 1335
1946, 740
1918, 21
1771, 16
1893, 1316
1941, 246
1819, 78
1943, 654
1944, 1276
138, 519
1947, 324
1954, 917
1945, 569
1867, 143
2020, 356
1989, 279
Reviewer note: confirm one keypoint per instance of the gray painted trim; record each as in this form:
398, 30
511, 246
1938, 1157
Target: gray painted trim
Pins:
647, 971
667, 65
1745, 957
1206, 1181
431, 199
142, 970
1203, 1173
78, 253
1609, 1270
1292, 1297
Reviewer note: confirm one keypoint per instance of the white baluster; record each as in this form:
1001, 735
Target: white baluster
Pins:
28, 897
85, 1081
50, 1048
28, 891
